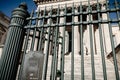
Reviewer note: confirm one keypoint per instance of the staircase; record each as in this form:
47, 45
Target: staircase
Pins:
87, 67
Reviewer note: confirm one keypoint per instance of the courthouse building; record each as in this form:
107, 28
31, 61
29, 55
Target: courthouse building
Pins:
66, 40
87, 50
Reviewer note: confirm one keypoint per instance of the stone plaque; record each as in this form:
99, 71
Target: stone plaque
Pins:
33, 66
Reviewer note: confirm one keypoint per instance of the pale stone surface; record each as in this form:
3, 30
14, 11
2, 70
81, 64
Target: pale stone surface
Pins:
87, 67
76, 35
1, 49
87, 58
69, 3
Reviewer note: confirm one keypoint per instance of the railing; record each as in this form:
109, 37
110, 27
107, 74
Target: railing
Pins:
75, 41
52, 24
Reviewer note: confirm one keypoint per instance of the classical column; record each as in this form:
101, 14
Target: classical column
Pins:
66, 41
105, 30
90, 18
93, 35
76, 35
46, 35
46, 48
61, 29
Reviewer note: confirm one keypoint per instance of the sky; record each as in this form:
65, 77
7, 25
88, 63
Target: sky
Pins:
7, 6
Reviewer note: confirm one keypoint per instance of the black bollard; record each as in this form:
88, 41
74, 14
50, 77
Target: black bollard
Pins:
11, 52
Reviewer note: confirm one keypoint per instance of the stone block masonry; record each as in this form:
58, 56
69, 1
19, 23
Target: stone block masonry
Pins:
87, 67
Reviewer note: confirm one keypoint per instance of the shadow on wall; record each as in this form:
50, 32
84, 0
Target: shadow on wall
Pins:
110, 56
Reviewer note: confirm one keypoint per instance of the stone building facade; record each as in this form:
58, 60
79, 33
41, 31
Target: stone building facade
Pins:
46, 4
4, 23
69, 40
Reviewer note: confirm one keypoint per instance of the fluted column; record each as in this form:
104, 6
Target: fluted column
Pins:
12, 49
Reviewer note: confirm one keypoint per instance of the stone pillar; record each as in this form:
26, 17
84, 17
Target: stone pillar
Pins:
61, 29
93, 36
88, 37
46, 69
76, 35
106, 36
66, 41
46, 36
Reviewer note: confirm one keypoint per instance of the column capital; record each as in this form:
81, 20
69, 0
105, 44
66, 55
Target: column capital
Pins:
61, 11
76, 6
76, 9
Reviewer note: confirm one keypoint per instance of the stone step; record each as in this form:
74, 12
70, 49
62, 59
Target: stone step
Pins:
87, 67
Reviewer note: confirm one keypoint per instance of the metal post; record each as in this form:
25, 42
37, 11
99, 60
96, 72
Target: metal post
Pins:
11, 52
